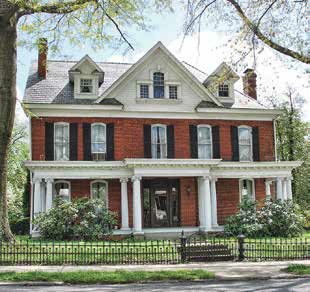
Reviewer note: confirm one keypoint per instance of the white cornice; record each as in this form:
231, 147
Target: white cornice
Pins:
117, 111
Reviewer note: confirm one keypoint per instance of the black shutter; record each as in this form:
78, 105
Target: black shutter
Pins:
73, 141
234, 143
170, 141
110, 141
255, 141
193, 141
49, 141
87, 142
216, 142
147, 141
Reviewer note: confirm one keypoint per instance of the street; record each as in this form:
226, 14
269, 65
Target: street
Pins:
282, 285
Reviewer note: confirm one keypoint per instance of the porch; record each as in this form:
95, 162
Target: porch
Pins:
183, 194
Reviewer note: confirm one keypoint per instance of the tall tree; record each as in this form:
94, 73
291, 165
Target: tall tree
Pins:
76, 20
279, 24
293, 143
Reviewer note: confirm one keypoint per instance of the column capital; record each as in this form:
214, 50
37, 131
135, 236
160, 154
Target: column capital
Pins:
204, 177
136, 178
288, 178
49, 180
215, 179
123, 179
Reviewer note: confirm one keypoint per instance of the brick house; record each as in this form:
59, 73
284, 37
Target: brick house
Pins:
166, 146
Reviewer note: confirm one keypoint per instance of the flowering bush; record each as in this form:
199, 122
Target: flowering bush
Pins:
276, 218
80, 219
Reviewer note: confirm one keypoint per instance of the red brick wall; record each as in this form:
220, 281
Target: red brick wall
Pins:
189, 202
129, 136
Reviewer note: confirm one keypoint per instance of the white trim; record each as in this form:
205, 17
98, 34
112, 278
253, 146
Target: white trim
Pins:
91, 137
64, 124
251, 141
275, 140
205, 126
86, 58
62, 181
157, 46
107, 189
158, 100
241, 187
159, 126
30, 137
116, 111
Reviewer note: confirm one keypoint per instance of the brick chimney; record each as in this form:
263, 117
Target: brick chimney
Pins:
249, 83
42, 58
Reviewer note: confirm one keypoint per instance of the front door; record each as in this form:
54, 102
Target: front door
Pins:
161, 203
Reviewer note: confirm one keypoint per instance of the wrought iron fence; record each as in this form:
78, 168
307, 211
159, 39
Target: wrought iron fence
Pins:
194, 248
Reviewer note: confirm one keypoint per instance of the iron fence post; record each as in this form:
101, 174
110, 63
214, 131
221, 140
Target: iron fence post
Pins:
241, 250
183, 247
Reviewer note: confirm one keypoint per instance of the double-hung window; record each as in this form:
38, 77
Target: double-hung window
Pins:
159, 141
99, 191
86, 85
173, 91
159, 85
98, 138
61, 141
204, 135
245, 143
144, 91
223, 90
247, 189
62, 189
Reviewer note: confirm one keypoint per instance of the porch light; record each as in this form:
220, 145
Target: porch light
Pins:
188, 190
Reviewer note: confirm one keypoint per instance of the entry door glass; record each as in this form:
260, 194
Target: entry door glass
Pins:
160, 207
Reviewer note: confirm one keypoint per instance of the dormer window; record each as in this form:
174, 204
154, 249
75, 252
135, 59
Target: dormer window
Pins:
86, 85
223, 90
159, 85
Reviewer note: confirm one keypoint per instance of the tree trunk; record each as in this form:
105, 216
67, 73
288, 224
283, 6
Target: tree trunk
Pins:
7, 105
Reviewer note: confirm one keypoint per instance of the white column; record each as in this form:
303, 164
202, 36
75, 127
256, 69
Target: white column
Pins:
49, 193
267, 189
124, 203
289, 188
37, 197
206, 203
279, 188
214, 202
137, 213
284, 189
200, 203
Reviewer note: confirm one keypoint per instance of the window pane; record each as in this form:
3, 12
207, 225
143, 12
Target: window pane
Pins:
244, 153
173, 92
159, 85
99, 191
86, 85
61, 142
247, 188
204, 151
244, 136
159, 144
204, 135
144, 91
223, 90
98, 138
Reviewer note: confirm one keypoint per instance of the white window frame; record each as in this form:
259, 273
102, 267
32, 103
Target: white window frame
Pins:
164, 84
91, 140
251, 142
62, 181
205, 126
177, 92
140, 93
92, 85
241, 186
63, 124
107, 189
162, 126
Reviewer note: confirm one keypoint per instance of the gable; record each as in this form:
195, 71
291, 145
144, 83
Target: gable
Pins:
191, 92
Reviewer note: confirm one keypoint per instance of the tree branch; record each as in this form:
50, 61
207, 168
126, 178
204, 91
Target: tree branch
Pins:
56, 8
254, 28
265, 12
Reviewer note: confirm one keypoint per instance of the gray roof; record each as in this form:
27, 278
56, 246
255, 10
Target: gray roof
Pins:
57, 88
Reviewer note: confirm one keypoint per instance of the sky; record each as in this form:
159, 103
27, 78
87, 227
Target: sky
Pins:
274, 74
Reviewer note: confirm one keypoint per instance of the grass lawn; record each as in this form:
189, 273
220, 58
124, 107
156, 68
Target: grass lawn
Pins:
96, 277
298, 269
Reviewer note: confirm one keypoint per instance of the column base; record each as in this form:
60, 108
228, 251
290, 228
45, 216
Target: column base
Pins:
139, 235
204, 229
125, 229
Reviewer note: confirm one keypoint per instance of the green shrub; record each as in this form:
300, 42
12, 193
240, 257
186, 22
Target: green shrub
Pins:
276, 218
245, 221
80, 219
20, 226
281, 219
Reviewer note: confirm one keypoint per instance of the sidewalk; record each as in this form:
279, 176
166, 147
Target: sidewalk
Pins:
223, 270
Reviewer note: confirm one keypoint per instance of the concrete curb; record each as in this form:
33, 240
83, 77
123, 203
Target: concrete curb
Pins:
216, 279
